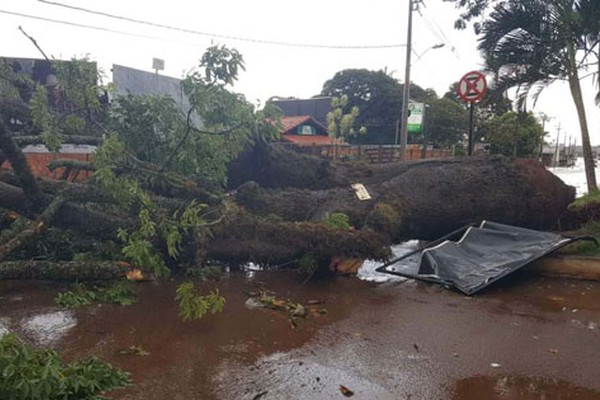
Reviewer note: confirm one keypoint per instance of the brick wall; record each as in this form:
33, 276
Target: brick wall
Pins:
38, 162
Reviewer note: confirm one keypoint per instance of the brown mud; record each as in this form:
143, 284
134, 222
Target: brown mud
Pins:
529, 338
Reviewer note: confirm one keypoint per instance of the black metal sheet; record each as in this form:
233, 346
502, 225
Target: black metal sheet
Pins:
481, 256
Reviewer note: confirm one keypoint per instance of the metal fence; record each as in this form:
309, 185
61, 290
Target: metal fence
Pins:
374, 154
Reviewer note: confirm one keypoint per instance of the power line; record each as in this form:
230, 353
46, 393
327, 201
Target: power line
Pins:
85, 26
220, 36
434, 28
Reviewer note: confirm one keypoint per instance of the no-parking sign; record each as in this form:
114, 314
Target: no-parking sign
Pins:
472, 86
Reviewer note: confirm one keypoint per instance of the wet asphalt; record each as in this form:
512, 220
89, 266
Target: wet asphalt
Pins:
527, 338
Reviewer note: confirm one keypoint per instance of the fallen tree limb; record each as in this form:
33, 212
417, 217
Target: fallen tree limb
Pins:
13, 154
270, 241
31, 230
60, 271
73, 164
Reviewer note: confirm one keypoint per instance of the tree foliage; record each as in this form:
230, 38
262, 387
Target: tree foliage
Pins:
378, 97
159, 169
529, 44
446, 123
194, 306
341, 120
514, 134
39, 374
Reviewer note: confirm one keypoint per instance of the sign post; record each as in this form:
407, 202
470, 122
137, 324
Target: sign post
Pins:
471, 88
415, 117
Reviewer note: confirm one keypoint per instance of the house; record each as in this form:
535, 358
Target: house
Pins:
128, 80
304, 130
317, 107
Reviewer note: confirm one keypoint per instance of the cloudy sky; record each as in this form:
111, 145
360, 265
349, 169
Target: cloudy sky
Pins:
290, 48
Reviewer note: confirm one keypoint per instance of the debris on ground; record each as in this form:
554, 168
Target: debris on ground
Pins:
267, 299
135, 351
345, 391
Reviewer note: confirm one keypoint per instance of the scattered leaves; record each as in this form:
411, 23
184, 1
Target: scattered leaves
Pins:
135, 351
292, 308
135, 275
193, 306
119, 293
345, 391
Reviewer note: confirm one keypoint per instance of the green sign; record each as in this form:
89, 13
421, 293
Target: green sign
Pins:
415, 117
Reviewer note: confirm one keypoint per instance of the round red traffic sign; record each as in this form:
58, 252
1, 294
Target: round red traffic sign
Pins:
472, 86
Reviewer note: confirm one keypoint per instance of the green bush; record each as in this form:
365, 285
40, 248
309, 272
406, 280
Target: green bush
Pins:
31, 373
337, 221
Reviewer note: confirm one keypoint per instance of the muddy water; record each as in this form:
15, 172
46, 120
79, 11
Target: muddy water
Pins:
530, 338
183, 356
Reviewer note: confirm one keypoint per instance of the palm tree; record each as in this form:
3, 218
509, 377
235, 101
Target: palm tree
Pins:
529, 44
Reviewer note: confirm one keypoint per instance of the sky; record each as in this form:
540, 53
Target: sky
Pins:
294, 66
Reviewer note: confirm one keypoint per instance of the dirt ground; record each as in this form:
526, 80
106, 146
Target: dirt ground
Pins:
529, 338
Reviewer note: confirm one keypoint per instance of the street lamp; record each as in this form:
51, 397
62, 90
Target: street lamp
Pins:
435, 46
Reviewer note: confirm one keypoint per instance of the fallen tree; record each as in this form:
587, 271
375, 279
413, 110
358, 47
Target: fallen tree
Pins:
412, 200
158, 192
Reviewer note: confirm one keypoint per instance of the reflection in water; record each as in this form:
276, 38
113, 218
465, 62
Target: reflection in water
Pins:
519, 388
367, 270
574, 176
3, 326
47, 329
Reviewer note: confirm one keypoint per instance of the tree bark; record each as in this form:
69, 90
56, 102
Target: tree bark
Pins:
425, 199
61, 271
281, 219
32, 192
575, 86
33, 229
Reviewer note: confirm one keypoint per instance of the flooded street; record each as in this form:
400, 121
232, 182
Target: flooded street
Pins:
529, 338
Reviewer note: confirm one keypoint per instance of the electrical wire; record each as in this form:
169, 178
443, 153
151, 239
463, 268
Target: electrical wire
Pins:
439, 33
220, 36
93, 27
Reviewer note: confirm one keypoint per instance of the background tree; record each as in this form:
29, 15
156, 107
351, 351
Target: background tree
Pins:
379, 98
446, 123
341, 121
531, 43
514, 134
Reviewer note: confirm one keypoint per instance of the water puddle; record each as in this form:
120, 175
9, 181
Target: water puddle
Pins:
4, 322
367, 270
47, 329
519, 388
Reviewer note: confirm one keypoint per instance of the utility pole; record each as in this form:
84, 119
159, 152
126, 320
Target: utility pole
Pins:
413, 5
556, 150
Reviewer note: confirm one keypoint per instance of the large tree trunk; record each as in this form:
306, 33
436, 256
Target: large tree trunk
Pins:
575, 86
419, 199
280, 220
61, 271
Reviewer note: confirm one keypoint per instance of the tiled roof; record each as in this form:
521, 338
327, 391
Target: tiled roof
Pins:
291, 122
288, 132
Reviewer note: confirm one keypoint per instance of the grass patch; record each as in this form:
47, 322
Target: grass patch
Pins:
586, 248
589, 199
